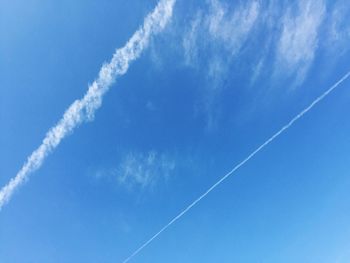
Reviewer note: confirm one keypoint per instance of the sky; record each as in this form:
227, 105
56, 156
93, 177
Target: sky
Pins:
212, 81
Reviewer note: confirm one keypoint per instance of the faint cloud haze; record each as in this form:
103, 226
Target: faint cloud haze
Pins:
137, 170
232, 28
338, 29
211, 41
219, 27
299, 38
144, 170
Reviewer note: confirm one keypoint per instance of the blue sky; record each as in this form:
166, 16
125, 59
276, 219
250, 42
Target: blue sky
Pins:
213, 85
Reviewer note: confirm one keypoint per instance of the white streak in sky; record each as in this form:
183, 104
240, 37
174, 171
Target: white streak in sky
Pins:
234, 169
298, 42
83, 110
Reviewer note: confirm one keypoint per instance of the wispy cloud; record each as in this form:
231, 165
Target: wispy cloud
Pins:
139, 170
190, 40
212, 40
276, 38
299, 38
219, 27
232, 28
84, 109
338, 29
274, 41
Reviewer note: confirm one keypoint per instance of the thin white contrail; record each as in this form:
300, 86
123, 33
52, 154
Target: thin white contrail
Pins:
239, 165
83, 110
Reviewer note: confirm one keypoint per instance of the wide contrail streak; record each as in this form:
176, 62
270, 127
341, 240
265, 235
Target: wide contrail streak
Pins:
239, 165
83, 110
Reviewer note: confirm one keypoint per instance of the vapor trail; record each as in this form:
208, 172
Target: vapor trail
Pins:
239, 165
83, 110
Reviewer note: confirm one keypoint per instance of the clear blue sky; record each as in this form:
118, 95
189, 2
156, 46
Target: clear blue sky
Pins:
214, 85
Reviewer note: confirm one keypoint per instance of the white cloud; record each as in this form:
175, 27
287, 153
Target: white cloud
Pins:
257, 70
190, 40
212, 40
84, 109
219, 27
232, 29
144, 170
299, 38
217, 68
338, 38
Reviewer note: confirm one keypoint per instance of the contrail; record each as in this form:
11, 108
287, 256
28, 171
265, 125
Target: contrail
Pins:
83, 110
239, 165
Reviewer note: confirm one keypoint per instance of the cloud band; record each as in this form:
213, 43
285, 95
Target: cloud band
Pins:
83, 110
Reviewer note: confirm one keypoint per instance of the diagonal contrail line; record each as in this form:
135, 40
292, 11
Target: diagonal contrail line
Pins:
239, 165
83, 110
